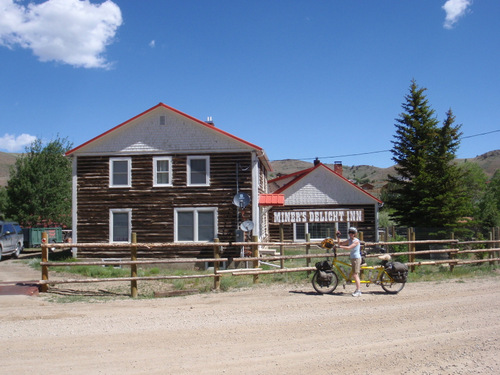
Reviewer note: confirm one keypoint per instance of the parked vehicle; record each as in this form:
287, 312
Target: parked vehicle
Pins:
11, 239
33, 236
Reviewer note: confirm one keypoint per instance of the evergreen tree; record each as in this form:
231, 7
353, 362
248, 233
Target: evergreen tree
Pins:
426, 190
39, 189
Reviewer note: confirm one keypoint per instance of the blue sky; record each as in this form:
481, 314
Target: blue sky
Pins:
301, 79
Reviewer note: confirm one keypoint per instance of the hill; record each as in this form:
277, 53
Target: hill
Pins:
6, 161
377, 177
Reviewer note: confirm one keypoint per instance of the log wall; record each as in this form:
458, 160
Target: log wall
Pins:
153, 207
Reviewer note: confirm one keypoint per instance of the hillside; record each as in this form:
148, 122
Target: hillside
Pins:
489, 162
6, 161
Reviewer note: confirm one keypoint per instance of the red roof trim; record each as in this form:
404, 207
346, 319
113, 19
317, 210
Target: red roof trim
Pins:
304, 171
307, 171
271, 200
173, 110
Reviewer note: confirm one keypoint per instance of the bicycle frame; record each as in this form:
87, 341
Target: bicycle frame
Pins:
368, 274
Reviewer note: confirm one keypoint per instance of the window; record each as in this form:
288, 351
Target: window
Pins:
119, 172
195, 224
198, 171
316, 230
120, 226
162, 171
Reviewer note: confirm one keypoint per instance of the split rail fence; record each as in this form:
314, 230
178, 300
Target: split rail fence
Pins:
255, 260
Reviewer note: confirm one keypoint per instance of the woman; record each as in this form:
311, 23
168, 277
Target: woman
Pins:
354, 246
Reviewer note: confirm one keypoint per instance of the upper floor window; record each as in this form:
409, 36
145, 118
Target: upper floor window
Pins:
162, 171
120, 172
198, 170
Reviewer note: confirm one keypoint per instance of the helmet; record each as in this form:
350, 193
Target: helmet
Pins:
353, 230
327, 243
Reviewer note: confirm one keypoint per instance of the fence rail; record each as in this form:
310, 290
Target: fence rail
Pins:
255, 259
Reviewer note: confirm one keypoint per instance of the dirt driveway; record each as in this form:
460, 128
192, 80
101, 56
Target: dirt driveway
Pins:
429, 328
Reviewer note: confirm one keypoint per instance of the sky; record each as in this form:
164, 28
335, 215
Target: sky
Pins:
299, 78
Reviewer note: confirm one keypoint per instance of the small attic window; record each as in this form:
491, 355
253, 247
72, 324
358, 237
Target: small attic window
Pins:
163, 120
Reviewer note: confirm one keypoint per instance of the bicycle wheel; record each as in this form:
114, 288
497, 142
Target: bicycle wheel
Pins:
323, 287
389, 285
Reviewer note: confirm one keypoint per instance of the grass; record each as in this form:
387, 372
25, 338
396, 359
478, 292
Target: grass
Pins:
230, 282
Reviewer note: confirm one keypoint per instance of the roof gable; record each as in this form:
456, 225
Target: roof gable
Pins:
319, 186
163, 129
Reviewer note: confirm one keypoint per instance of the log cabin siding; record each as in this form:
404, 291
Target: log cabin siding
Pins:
152, 206
367, 227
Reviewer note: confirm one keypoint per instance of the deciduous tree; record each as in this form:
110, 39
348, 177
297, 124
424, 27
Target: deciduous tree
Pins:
39, 188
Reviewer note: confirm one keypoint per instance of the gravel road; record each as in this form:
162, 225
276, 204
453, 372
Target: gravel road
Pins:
448, 327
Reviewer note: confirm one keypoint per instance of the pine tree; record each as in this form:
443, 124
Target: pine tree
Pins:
426, 190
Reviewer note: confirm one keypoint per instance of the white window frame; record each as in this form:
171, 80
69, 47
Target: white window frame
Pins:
195, 210
155, 170
129, 172
306, 230
207, 171
111, 223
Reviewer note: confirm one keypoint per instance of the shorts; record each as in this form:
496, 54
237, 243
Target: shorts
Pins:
356, 265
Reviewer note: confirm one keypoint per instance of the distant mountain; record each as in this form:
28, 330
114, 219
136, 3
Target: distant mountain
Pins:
374, 176
6, 161
489, 162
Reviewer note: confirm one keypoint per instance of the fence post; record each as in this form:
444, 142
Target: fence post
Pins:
386, 239
451, 255
282, 238
216, 264
308, 248
491, 245
497, 238
133, 267
45, 258
255, 254
411, 247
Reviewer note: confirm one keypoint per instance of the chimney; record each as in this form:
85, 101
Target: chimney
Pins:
316, 162
210, 121
337, 167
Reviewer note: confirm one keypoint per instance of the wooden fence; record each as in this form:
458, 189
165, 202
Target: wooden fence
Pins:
452, 261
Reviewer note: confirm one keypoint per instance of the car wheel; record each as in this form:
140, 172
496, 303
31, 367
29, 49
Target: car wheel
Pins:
19, 248
1, 250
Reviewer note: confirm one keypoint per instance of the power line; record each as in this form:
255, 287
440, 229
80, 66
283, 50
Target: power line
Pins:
477, 135
381, 151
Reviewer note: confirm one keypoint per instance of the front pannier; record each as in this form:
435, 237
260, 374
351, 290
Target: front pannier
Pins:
398, 271
325, 276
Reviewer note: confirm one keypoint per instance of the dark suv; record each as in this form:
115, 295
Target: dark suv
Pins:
11, 239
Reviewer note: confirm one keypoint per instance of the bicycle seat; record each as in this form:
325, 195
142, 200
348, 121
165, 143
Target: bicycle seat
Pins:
386, 257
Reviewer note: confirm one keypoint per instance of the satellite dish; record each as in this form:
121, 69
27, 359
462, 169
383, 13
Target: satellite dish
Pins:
246, 226
241, 200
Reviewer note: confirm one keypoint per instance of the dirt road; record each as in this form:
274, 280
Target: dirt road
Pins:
429, 328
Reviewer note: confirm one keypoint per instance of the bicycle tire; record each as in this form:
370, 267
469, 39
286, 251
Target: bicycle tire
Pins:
389, 285
322, 288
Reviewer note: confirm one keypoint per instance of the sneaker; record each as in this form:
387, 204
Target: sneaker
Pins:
357, 293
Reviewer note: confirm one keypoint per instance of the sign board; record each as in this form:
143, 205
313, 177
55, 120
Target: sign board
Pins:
319, 216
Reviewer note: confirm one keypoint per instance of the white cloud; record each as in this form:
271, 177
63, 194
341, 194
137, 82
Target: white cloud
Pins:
74, 32
454, 10
11, 143
152, 44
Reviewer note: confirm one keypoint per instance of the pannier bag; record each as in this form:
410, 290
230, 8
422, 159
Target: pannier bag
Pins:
325, 276
398, 271
323, 266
